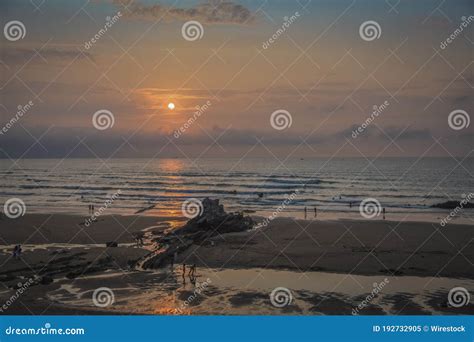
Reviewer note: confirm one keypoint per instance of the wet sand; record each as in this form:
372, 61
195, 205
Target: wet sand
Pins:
343, 246
329, 266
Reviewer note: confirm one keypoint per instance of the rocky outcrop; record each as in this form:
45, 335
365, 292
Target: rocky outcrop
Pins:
212, 220
453, 205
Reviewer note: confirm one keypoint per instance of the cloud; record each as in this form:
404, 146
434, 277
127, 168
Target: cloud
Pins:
212, 12
62, 141
15, 56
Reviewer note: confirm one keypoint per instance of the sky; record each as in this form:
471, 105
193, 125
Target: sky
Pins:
306, 61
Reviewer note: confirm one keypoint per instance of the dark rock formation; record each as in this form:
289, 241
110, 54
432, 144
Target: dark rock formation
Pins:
111, 244
453, 205
213, 220
46, 280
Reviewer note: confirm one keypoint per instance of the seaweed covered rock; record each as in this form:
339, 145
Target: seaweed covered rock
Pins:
214, 219
211, 220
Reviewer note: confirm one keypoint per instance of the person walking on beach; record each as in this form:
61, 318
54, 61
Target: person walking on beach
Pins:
315, 211
192, 270
15, 251
383, 211
173, 259
305, 213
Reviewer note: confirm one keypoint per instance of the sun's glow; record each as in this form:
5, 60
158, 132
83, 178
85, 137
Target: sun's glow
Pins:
171, 105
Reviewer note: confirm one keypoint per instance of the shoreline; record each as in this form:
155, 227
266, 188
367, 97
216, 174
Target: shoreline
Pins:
70, 235
431, 215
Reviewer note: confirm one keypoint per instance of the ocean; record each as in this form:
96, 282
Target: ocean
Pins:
401, 185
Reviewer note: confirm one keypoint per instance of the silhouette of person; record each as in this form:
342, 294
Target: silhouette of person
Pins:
192, 270
15, 251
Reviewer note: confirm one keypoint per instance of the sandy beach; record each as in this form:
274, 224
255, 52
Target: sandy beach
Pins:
344, 246
336, 264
